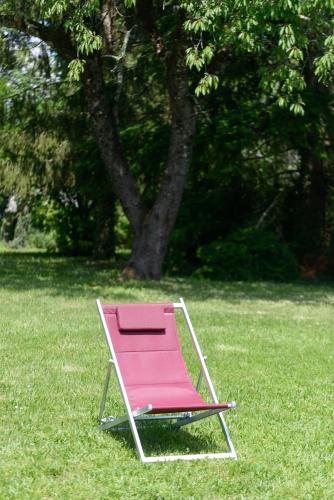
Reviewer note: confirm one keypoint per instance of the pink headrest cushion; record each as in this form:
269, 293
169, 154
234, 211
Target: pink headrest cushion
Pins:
141, 317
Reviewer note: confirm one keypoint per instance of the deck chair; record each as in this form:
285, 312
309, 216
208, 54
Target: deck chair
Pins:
146, 357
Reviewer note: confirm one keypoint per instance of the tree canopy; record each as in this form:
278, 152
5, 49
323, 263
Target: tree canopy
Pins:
226, 105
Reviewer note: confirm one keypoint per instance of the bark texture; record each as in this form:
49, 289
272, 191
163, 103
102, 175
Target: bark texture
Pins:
109, 143
104, 241
151, 227
149, 249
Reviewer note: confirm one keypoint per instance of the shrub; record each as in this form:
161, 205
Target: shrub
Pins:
22, 230
26, 235
248, 254
46, 241
69, 225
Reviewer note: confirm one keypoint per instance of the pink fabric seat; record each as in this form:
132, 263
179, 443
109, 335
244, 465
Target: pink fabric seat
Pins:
149, 356
168, 398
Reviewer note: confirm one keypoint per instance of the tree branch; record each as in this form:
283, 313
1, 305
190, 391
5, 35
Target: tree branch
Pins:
268, 210
107, 16
107, 136
182, 134
54, 36
120, 75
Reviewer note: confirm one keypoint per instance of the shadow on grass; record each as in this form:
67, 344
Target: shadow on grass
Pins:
86, 278
158, 440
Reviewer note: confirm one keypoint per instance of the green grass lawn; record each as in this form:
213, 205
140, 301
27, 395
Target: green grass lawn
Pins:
269, 347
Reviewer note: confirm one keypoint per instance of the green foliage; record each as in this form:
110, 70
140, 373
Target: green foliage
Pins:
324, 64
27, 235
43, 240
75, 68
283, 32
47, 152
144, 142
69, 221
75, 18
7, 227
122, 231
248, 254
267, 128
22, 231
206, 84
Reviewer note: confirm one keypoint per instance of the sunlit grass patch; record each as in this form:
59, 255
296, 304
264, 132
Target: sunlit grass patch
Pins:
269, 347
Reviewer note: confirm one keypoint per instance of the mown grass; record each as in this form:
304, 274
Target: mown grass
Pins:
269, 347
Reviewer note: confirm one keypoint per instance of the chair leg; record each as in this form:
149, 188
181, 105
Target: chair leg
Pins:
227, 435
200, 376
105, 389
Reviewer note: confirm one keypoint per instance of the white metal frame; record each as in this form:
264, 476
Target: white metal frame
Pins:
181, 419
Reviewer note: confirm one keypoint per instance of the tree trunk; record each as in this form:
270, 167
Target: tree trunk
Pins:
305, 224
312, 193
151, 228
108, 140
315, 205
148, 252
104, 241
150, 246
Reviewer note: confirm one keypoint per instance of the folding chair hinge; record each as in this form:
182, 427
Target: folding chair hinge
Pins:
107, 419
185, 415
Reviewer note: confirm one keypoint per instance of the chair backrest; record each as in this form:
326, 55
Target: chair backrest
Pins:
145, 340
